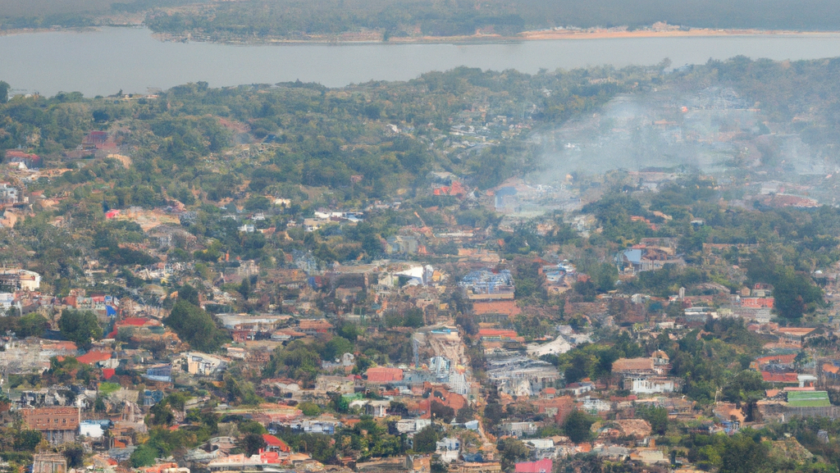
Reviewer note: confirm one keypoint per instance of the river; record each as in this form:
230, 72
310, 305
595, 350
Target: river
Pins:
130, 59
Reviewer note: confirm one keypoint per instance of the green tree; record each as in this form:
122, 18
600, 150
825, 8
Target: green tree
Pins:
27, 440
245, 288
746, 386
99, 405
604, 277
742, 454
75, 455
79, 327
425, 441
511, 450
145, 455
4, 91
465, 414
577, 426
251, 444
252, 427
656, 416
336, 347
189, 294
195, 326
309, 409
442, 411
32, 325
493, 413
297, 360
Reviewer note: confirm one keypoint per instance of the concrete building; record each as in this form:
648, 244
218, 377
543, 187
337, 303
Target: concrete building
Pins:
57, 424
49, 463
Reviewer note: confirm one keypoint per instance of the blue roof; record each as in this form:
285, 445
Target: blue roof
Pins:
633, 255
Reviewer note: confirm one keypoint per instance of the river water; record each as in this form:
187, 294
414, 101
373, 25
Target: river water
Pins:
105, 61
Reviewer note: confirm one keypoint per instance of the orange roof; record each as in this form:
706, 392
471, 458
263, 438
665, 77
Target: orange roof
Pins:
382, 374
273, 441
632, 364
308, 324
492, 332
779, 377
795, 330
787, 359
508, 308
136, 322
93, 357
830, 368
60, 345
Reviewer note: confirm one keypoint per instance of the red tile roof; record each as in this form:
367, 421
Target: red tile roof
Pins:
381, 374
108, 373
273, 441
779, 377
93, 357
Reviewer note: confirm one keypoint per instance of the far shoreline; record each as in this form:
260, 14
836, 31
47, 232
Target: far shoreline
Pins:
377, 38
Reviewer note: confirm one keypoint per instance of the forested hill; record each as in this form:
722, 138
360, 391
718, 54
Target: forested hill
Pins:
296, 19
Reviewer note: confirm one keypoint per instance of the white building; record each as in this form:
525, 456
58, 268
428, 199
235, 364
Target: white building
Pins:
92, 429
21, 278
651, 385
449, 449
201, 364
